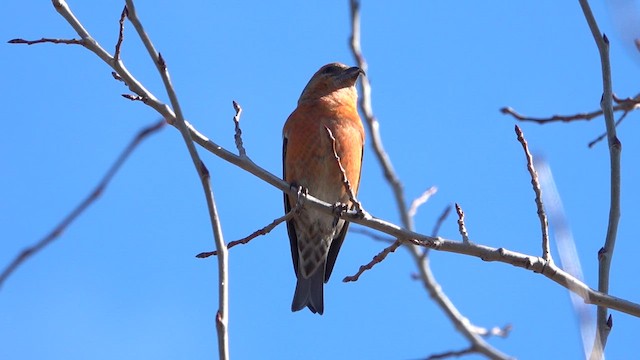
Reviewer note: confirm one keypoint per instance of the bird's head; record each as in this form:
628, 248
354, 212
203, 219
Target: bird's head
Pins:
333, 81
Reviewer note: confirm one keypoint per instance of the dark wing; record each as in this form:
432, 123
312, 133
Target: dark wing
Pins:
333, 251
337, 241
293, 238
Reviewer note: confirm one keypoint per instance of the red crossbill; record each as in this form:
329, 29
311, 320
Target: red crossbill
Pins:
328, 102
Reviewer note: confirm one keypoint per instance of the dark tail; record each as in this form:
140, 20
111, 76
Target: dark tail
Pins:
309, 293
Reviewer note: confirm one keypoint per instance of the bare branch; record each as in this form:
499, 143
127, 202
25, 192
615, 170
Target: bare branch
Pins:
461, 227
222, 316
422, 199
615, 148
542, 215
625, 105
443, 216
372, 234
263, 231
553, 118
345, 180
80, 209
453, 353
47, 40
376, 260
116, 55
407, 220
238, 131
436, 227
604, 135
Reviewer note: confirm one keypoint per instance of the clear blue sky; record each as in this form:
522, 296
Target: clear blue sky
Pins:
123, 283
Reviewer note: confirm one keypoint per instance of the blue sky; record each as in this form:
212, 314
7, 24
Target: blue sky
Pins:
122, 282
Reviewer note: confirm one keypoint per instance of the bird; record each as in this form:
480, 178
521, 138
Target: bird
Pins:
327, 105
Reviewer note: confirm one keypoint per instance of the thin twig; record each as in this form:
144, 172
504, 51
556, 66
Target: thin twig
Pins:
238, 130
345, 180
222, 316
542, 215
625, 105
438, 224
553, 118
89, 200
615, 148
453, 353
46, 40
461, 226
372, 234
421, 200
376, 260
263, 231
123, 16
393, 180
604, 135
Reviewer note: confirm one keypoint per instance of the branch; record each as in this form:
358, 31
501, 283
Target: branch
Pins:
238, 131
553, 118
452, 353
419, 256
263, 231
461, 227
544, 225
625, 105
604, 322
123, 15
376, 260
443, 216
222, 316
176, 119
47, 40
30, 251
421, 200
372, 234
438, 224
604, 135
345, 181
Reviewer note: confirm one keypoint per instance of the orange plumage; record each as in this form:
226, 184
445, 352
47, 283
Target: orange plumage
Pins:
329, 101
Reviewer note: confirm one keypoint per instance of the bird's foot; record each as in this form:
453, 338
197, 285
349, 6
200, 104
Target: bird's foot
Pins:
339, 209
301, 195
